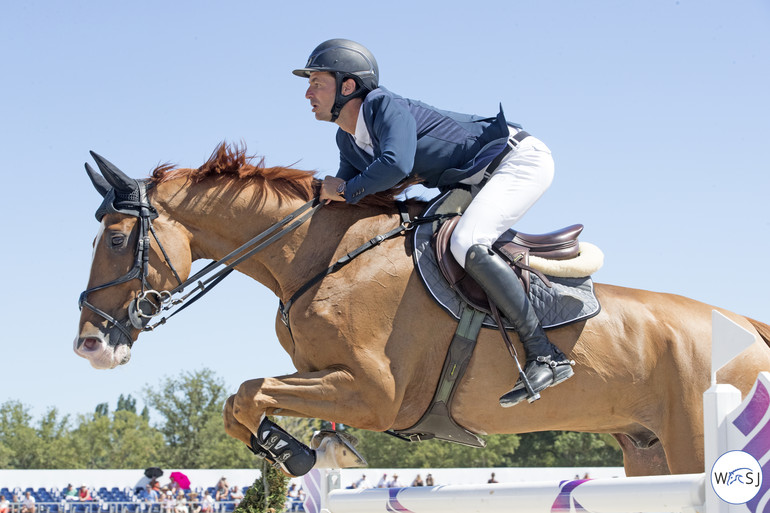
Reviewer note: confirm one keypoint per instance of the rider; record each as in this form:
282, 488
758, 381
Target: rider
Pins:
384, 139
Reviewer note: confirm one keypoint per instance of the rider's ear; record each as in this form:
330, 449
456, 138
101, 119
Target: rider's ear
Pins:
349, 86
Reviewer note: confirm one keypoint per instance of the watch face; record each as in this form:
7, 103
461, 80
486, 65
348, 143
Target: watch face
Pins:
341, 188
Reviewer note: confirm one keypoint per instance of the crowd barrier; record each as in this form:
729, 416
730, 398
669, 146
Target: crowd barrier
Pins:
729, 424
110, 507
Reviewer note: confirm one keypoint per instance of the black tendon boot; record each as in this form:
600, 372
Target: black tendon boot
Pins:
545, 364
281, 449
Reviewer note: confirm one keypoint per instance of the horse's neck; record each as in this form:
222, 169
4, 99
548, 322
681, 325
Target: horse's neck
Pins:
219, 219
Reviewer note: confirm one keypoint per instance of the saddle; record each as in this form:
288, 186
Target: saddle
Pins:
514, 247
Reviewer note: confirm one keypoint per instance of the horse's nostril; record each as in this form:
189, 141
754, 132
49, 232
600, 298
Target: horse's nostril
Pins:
91, 344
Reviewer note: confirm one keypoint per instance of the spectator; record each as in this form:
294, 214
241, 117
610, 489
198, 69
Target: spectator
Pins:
207, 502
383, 481
173, 487
236, 495
168, 501
195, 505
492, 478
180, 506
394, 483
429, 480
84, 494
151, 496
363, 483
292, 498
71, 493
5, 506
222, 490
418, 481
28, 503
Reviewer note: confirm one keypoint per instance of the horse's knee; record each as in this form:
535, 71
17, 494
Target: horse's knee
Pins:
232, 427
248, 404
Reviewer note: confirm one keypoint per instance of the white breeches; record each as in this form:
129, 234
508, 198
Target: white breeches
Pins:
518, 182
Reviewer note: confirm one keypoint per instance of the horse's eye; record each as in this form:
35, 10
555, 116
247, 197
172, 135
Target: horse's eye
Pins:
117, 240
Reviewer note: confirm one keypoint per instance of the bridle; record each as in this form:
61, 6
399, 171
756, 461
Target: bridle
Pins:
149, 302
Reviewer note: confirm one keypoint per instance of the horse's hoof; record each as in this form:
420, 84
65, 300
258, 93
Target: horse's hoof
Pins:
335, 449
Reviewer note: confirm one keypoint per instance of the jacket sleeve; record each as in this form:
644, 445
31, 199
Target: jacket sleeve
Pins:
346, 170
395, 139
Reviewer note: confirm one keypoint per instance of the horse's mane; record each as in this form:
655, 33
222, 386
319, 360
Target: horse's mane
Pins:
233, 161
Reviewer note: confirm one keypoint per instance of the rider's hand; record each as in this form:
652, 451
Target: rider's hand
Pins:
330, 189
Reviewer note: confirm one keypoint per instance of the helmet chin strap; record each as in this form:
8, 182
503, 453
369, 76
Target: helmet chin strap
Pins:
340, 99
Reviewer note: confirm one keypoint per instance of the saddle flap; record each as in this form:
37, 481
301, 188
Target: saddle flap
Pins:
460, 281
452, 271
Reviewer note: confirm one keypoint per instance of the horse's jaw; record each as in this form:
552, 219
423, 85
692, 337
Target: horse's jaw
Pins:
95, 348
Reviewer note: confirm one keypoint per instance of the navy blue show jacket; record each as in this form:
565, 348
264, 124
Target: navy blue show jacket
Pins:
412, 139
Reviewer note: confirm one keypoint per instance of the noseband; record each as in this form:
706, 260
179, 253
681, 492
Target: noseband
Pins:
149, 302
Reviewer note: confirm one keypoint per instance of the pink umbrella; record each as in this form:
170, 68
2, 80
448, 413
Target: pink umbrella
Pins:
182, 480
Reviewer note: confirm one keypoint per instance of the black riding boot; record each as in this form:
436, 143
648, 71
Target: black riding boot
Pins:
545, 364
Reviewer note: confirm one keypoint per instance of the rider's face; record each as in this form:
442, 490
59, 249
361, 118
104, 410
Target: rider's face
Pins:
321, 93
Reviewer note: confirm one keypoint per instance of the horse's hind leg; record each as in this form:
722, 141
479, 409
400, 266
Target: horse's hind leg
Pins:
642, 461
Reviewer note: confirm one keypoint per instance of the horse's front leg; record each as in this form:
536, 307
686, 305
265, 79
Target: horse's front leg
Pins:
330, 394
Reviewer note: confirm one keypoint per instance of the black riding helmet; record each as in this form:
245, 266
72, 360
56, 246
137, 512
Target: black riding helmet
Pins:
345, 59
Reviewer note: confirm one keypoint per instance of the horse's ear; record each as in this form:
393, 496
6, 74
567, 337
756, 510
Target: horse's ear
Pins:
117, 178
101, 185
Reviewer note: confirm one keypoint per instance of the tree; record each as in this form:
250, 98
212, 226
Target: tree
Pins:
17, 436
566, 449
126, 404
382, 450
55, 441
122, 440
188, 404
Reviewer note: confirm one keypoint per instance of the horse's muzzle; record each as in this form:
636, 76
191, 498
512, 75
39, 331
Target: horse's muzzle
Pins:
101, 355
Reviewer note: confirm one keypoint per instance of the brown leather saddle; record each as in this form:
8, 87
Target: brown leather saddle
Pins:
515, 248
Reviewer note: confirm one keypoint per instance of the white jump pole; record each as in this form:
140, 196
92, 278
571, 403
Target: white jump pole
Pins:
620, 495
686, 493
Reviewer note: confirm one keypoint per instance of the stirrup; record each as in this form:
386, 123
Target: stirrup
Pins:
523, 389
282, 450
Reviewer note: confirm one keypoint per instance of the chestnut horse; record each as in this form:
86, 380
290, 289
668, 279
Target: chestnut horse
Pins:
368, 342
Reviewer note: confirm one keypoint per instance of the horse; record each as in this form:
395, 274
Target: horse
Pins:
368, 342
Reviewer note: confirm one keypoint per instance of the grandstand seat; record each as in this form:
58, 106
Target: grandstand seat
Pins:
83, 507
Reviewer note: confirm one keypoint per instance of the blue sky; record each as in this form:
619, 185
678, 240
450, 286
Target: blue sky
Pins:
656, 112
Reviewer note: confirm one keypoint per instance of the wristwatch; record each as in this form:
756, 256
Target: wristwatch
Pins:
341, 188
